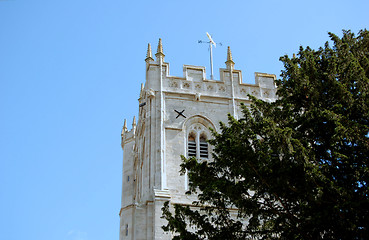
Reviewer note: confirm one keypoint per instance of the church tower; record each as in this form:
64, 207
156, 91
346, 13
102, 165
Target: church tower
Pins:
175, 114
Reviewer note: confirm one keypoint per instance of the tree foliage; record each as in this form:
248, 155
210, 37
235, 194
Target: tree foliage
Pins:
296, 168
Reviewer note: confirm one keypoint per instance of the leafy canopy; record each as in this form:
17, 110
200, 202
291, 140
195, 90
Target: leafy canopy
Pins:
296, 168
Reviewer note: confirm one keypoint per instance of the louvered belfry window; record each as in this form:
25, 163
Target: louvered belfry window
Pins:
204, 153
197, 146
191, 146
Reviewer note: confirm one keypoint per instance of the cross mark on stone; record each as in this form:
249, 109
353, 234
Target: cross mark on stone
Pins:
180, 113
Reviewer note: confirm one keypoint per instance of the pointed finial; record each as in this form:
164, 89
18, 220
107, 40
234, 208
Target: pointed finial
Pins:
124, 126
229, 61
134, 122
159, 52
160, 47
149, 53
142, 90
229, 54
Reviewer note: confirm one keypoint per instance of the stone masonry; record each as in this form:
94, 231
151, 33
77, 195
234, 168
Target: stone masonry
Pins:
175, 114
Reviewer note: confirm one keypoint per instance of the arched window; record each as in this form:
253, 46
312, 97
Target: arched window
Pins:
197, 133
197, 145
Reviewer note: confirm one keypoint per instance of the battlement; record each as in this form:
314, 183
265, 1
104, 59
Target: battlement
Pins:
194, 83
194, 80
128, 135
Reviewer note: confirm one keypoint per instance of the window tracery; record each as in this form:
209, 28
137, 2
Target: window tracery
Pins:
197, 133
197, 145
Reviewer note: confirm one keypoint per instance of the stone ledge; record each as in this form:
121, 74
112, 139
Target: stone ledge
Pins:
162, 194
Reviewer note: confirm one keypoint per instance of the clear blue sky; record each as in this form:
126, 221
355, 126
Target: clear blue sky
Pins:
70, 73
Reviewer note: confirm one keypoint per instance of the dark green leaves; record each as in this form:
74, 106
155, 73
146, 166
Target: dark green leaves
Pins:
293, 169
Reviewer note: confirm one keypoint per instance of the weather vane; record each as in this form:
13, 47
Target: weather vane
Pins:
211, 43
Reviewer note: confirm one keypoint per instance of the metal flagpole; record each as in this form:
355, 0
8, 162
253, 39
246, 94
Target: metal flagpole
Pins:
211, 61
211, 42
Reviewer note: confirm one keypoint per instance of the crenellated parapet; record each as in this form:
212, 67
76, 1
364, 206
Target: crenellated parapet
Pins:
128, 135
194, 81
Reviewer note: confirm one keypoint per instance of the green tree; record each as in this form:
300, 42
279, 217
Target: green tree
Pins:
296, 168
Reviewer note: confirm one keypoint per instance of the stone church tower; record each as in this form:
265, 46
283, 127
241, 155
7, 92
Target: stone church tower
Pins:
175, 114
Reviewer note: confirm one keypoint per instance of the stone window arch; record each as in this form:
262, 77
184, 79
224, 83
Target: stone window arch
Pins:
197, 136
197, 141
